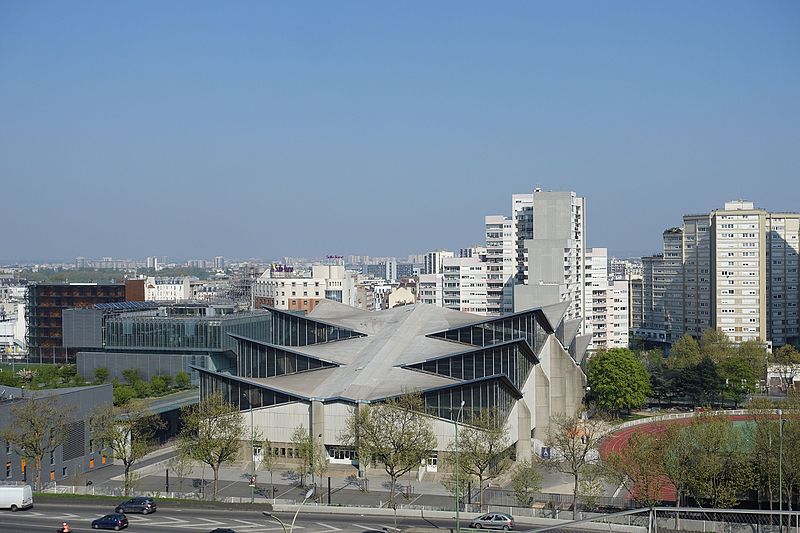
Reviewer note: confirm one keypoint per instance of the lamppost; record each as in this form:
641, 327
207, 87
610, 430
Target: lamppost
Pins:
291, 527
253, 457
780, 465
458, 485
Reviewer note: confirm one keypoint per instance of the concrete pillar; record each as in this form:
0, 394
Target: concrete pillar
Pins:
318, 422
523, 431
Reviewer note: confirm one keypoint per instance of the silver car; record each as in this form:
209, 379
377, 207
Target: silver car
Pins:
493, 521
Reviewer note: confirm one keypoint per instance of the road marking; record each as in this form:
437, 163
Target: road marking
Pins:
249, 524
330, 528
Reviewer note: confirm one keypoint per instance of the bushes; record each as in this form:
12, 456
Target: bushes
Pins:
137, 387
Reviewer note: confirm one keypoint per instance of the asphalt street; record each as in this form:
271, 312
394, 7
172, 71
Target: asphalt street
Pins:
49, 516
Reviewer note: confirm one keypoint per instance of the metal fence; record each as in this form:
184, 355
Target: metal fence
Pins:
669, 519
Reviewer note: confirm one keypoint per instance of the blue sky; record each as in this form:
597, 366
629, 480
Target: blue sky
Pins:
265, 129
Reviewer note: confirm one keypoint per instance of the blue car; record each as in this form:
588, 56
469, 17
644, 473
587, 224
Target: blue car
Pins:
113, 521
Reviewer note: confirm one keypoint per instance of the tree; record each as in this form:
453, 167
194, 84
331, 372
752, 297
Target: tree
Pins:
268, 463
786, 361
526, 481
755, 354
395, 433
127, 432
618, 380
182, 466
737, 377
303, 443
721, 469
639, 467
575, 441
212, 433
764, 451
701, 382
37, 427
677, 462
716, 345
685, 352
482, 447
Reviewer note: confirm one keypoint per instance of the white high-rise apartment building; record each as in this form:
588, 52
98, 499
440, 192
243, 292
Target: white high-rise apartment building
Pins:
733, 269
462, 285
500, 265
432, 263
606, 303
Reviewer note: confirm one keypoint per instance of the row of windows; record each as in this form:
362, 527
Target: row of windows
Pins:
510, 360
242, 395
258, 361
295, 330
526, 326
477, 397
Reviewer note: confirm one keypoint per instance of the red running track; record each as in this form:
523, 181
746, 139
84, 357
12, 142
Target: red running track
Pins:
618, 440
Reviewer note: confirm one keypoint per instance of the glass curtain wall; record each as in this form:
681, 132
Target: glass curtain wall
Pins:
256, 360
242, 395
445, 403
528, 326
295, 330
509, 359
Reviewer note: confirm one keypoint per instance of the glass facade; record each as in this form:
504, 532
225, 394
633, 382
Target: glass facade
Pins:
294, 330
242, 395
510, 359
196, 333
529, 326
256, 360
488, 394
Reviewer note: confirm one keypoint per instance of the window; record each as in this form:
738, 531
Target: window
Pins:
8, 469
52, 457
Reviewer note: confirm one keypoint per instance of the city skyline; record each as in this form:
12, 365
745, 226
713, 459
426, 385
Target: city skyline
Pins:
285, 130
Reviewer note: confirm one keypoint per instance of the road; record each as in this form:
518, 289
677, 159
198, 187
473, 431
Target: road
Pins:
47, 517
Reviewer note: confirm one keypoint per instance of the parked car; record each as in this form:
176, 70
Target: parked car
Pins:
137, 505
115, 521
493, 521
224, 530
16, 497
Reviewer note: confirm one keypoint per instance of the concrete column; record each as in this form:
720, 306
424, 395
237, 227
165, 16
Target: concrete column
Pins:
318, 422
523, 431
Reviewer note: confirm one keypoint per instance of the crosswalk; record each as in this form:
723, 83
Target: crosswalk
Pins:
196, 523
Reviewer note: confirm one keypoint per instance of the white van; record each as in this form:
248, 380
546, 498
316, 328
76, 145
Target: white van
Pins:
16, 497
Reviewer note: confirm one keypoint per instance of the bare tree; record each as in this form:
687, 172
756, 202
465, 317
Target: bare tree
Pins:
127, 432
575, 442
212, 433
395, 433
182, 466
37, 427
482, 448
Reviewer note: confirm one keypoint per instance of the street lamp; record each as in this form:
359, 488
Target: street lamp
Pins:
458, 486
291, 527
780, 466
270, 515
253, 456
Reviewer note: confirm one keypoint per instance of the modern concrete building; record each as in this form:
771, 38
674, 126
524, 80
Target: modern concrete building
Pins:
161, 340
733, 269
293, 290
79, 455
554, 257
44, 306
319, 368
